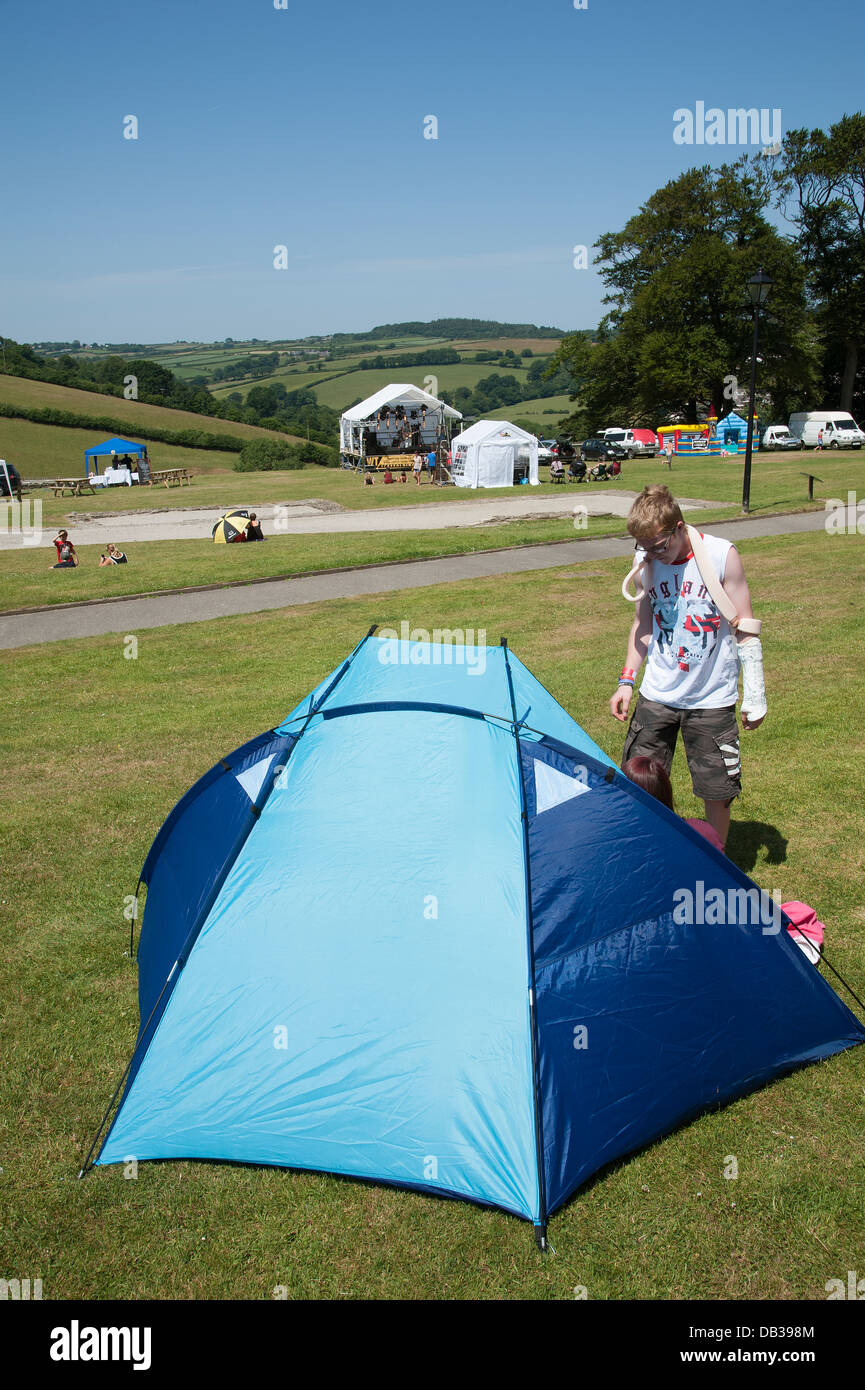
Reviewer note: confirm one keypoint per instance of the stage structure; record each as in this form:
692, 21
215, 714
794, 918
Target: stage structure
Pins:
388, 429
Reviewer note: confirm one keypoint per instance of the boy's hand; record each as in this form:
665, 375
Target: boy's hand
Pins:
620, 702
748, 722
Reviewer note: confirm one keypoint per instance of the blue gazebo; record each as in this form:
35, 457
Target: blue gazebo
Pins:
112, 446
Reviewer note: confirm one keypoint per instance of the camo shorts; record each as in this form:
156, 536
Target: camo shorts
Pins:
711, 739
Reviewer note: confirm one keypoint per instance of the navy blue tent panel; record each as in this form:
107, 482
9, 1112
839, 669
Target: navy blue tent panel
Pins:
425, 933
644, 1020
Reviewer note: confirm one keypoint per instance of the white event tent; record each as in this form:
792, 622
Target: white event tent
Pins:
485, 454
373, 426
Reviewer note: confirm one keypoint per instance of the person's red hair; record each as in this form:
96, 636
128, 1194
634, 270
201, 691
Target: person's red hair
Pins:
651, 775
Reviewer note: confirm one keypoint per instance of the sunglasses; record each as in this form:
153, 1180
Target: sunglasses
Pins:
658, 546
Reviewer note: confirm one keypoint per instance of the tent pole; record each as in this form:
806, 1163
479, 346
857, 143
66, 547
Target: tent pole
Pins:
540, 1224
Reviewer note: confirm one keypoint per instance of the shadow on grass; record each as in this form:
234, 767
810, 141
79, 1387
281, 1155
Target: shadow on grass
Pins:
748, 837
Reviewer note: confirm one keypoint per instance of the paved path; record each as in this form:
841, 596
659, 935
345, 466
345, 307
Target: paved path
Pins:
137, 614
321, 517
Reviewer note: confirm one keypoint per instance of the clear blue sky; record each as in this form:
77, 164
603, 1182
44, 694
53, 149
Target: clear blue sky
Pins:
304, 127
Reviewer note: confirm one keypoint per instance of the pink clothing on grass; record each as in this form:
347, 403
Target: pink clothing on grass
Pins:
805, 928
707, 831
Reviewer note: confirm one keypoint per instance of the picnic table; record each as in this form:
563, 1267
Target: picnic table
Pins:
75, 485
169, 477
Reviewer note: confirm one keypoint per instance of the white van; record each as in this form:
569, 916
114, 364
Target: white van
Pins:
840, 430
636, 443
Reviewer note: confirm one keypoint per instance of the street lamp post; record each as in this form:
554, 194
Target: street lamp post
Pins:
759, 286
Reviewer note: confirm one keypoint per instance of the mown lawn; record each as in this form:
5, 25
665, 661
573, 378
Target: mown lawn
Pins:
27, 578
777, 484
96, 751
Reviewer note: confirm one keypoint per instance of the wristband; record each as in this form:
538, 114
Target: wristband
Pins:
623, 680
628, 673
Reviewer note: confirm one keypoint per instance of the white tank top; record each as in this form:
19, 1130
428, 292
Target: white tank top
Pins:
692, 661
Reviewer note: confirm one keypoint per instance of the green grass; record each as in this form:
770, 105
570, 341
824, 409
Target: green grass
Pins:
341, 391
96, 751
56, 451
546, 410
27, 579
777, 484
137, 415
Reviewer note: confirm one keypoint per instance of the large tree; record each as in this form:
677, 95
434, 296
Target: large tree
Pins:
678, 333
819, 183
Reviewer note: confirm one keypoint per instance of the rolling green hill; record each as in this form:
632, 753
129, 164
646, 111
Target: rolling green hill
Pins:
21, 391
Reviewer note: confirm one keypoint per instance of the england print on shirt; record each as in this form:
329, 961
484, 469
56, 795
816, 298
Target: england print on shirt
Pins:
690, 629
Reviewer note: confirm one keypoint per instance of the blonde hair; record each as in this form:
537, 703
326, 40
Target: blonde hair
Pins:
656, 509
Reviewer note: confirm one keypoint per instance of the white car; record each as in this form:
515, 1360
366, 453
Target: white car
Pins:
779, 437
545, 453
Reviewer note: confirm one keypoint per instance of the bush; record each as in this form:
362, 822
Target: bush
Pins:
267, 455
324, 454
258, 455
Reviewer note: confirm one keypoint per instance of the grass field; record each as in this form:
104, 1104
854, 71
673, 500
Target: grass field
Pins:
137, 415
26, 578
57, 451
98, 749
341, 391
546, 410
777, 483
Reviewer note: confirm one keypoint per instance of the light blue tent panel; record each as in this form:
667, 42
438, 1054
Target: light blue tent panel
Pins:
394, 959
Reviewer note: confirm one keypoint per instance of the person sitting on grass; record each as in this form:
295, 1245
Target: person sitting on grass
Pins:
388, 476
402, 477
253, 530
368, 478
651, 775
66, 556
112, 556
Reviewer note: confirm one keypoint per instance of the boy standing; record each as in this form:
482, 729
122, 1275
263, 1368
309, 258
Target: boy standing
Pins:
692, 655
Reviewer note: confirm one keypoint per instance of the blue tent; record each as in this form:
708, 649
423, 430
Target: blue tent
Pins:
113, 446
425, 933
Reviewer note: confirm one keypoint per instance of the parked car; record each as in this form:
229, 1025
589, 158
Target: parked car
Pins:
13, 479
636, 443
592, 450
545, 453
779, 437
840, 430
